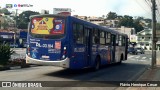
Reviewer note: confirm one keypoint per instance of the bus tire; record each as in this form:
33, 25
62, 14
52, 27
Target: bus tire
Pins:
121, 58
97, 64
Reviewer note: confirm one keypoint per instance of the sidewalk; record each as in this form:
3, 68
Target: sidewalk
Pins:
16, 67
149, 75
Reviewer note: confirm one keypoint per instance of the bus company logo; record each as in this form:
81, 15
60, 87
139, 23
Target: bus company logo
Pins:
6, 84
58, 27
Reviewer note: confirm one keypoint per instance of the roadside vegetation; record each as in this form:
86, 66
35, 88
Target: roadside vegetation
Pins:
5, 54
5, 58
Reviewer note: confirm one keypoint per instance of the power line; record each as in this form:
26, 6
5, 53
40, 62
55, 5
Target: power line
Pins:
148, 4
148, 12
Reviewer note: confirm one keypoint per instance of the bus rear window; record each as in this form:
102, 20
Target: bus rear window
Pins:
47, 27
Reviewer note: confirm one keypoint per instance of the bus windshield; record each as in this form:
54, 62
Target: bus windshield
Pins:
47, 27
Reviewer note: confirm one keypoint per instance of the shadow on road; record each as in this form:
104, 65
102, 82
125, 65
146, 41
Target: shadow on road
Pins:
115, 72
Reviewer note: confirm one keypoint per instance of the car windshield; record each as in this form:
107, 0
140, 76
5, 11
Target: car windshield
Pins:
130, 48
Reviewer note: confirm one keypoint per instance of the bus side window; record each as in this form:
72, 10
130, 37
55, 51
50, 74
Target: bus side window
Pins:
96, 39
102, 37
95, 36
108, 38
78, 33
123, 41
120, 40
117, 38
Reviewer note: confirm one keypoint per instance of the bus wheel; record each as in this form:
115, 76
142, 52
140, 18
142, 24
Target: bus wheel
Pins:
121, 59
97, 64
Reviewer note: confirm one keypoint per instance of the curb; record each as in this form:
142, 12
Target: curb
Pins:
15, 67
134, 78
139, 74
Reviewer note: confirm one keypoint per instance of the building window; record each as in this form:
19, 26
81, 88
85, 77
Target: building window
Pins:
147, 44
149, 37
95, 38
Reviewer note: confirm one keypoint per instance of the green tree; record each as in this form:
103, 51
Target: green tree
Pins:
139, 18
103, 16
126, 21
138, 27
5, 11
149, 21
23, 19
111, 15
23, 25
119, 17
4, 25
5, 53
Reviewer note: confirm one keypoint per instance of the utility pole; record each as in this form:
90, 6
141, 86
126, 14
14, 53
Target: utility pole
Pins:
15, 28
154, 39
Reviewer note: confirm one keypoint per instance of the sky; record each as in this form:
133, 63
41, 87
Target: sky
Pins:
86, 7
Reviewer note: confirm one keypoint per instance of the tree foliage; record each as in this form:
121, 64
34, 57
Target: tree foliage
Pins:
111, 16
5, 53
5, 11
138, 27
5, 25
23, 19
126, 21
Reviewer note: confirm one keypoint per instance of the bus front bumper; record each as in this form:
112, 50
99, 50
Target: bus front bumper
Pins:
62, 63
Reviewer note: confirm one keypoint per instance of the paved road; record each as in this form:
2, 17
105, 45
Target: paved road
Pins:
129, 70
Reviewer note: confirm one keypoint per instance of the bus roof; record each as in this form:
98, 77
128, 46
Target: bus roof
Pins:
98, 27
80, 20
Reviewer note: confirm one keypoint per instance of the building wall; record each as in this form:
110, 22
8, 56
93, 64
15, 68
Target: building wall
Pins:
6, 19
144, 39
111, 23
96, 21
125, 30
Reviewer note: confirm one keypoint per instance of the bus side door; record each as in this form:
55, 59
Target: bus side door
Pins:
88, 42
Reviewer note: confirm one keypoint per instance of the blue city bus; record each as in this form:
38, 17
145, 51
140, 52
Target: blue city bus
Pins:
69, 42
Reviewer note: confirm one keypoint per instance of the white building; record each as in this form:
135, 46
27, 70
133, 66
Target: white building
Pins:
126, 30
144, 39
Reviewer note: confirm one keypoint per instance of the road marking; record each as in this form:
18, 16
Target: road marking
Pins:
144, 57
132, 59
141, 60
130, 56
137, 57
138, 60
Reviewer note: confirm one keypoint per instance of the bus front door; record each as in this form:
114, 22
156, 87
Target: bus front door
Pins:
88, 41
